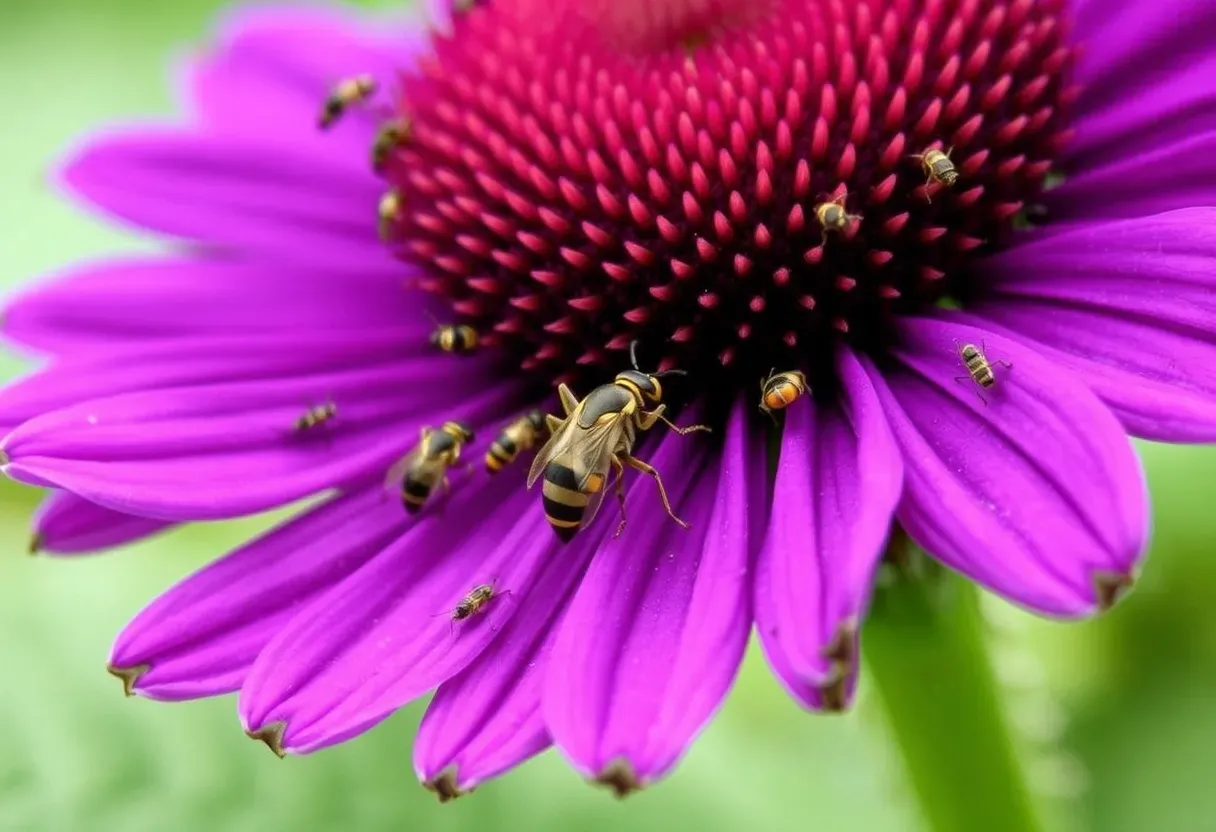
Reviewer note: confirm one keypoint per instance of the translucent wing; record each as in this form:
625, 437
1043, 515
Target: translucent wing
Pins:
594, 448
392, 480
596, 498
559, 442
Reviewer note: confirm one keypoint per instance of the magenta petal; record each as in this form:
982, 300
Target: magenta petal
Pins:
201, 637
1179, 103
654, 636
242, 193
839, 480
1130, 45
102, 305
312, 358
1165, 177
68, 525
273, 66
1130, 306
1036, 494
384, 636
487, 718
219, 450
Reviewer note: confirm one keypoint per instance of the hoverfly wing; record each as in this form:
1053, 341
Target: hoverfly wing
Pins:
592, 453
558, 442
596, 498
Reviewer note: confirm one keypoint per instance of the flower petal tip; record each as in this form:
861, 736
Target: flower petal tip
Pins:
836, 693
5, 459
129, 676
619, 777
272, 734
1111, 587
35, 546
445, 785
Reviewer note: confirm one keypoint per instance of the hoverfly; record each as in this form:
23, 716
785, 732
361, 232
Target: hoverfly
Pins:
780, 390
979, 368
938, 168
348, 91
521, 435
427, 464
391, 135
316, 416
833, 216
598, 434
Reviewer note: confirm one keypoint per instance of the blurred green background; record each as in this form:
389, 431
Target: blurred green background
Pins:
1117, 718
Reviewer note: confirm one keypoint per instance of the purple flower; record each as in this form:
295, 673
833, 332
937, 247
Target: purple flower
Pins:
570, 178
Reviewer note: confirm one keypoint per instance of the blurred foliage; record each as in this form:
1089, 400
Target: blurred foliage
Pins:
1118, 715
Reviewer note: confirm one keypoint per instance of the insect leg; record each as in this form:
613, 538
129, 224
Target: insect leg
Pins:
634, 462
680, 430
620, 493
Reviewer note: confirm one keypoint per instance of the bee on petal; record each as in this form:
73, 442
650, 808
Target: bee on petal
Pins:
979, 368
348, 92
427, 464
597, 436
316, 416
517, 437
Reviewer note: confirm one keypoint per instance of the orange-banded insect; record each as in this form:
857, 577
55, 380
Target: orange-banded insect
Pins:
979, 368
459, 339
596, 436
780, 390
938, 168
833, 216
347, 92
316, 416
427, 464
392, 134
388, 212
517, 437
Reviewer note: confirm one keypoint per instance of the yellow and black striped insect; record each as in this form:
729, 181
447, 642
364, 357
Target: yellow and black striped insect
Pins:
391, 135
517, 437
938, 168
833, 216
475, 602
427, 464
316, 416
780, 390
459, 339
347, 92
596, 436
979, 368
388, 212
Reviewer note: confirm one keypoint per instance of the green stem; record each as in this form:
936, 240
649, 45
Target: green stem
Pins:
927, 658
